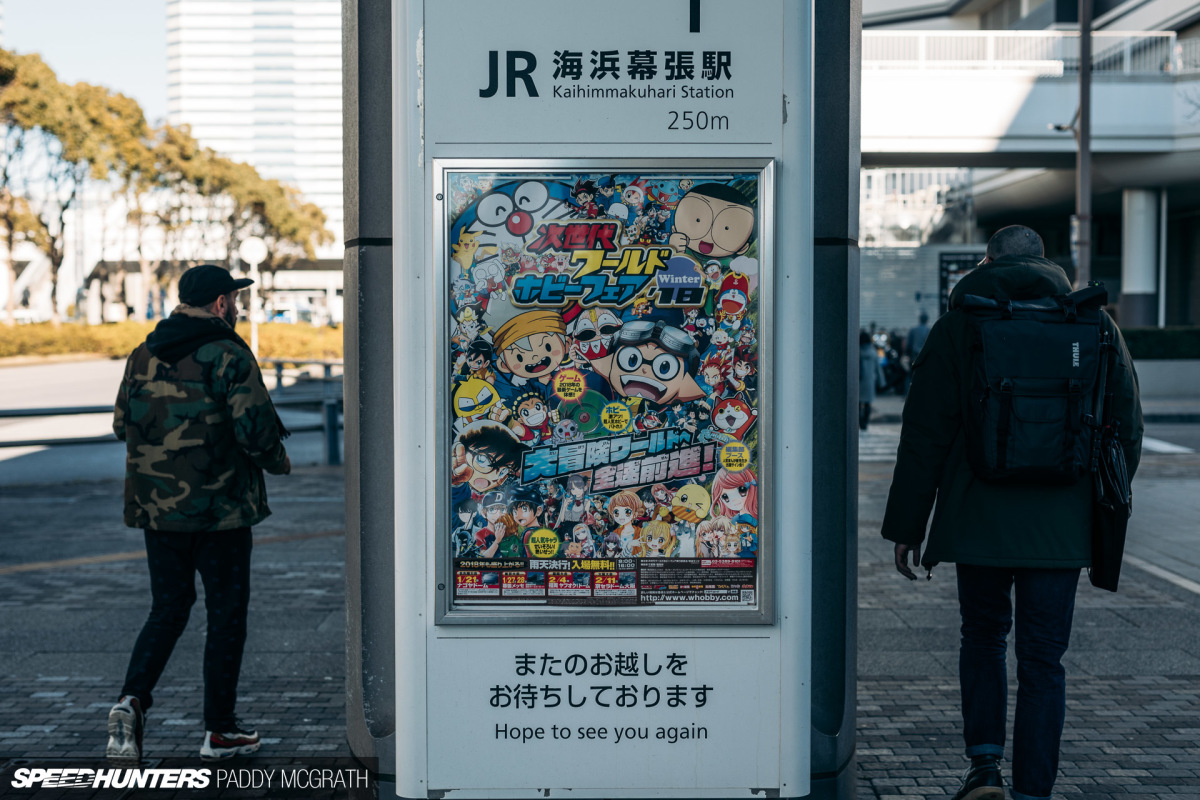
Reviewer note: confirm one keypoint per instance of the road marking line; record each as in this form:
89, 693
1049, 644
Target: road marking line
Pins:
132, 555
1159, 446
1166, 575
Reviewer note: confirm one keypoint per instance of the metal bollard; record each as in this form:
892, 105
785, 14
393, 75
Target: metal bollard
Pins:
279, 376
333, 452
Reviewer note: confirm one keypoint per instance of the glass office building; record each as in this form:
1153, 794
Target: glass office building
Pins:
260, 81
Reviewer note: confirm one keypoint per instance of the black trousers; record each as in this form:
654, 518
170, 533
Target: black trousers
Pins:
223, 560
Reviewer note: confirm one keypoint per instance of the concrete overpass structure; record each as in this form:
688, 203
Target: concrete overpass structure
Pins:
990, 100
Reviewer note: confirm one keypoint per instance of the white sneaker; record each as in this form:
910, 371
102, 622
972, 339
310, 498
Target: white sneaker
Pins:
126, 722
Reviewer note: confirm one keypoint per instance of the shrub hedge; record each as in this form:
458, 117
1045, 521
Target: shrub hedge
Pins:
278, 340
116, 340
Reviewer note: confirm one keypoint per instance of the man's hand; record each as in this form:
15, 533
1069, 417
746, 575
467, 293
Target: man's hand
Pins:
902, 551
460, 470
287, 465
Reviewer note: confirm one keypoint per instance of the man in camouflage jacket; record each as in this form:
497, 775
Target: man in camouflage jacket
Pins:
199, 429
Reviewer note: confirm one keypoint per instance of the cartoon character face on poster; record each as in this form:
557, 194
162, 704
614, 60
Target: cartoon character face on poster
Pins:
602, 347
509, 215
653, 361
714, 370
691, 503
592, 330
526, 508
470, 325
736, 493
734, 416
657, 540
711, 535
633, 197
714, 220
734, 297
566, 430
474, 398
485, 455
531, 346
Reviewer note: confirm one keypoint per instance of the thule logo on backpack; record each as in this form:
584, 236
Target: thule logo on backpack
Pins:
1074, 354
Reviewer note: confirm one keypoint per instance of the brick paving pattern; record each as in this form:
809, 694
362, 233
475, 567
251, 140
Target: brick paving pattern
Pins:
1133, 718
66, 632
1133, 674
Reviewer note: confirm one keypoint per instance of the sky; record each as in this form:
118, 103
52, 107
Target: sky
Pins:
121, 44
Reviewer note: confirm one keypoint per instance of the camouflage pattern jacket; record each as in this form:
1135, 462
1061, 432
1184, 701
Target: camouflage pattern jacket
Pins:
198, 434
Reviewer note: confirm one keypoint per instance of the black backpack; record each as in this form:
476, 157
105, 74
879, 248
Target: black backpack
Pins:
1035, 367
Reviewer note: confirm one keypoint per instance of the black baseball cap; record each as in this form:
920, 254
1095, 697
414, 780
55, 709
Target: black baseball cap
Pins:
201, 285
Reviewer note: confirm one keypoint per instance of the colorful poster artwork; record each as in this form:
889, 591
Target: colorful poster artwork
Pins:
604, 366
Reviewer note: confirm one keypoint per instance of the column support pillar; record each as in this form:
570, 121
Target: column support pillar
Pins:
1139, 258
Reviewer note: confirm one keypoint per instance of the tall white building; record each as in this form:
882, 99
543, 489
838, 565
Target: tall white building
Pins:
260, 81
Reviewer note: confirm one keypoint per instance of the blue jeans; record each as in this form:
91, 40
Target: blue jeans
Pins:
223, 560
1045, 607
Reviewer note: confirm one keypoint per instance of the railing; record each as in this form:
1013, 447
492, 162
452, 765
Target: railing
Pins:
327, 365
1187, 55
1041, 53
329, 403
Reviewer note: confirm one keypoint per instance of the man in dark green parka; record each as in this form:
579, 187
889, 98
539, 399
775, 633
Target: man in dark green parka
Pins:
1036, 538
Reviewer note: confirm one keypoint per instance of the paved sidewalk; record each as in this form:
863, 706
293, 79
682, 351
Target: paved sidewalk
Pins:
887, 408
1133, 668
74, 592
1133, 723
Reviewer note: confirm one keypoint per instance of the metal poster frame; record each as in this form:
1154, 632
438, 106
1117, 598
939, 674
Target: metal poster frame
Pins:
446, 611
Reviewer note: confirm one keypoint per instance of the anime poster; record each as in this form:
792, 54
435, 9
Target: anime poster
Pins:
604, 372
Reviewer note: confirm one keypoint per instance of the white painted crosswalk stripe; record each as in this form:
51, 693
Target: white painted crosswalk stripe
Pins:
879, 443
1152, 445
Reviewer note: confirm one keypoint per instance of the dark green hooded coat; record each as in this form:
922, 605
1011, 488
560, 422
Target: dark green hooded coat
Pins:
976, 522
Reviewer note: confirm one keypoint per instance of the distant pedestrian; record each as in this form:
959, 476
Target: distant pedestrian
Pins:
1029, 534
869, 373
199, 430
917, 335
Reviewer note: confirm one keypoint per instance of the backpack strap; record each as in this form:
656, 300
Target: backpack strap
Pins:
1004, 423
1074, 398
1099, 409
1074, 417
1069, 308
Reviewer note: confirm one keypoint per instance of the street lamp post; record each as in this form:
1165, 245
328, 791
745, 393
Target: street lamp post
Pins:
253, 251
1083, 158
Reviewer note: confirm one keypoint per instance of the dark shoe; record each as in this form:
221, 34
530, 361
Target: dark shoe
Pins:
982, 781
234, 740
125, 725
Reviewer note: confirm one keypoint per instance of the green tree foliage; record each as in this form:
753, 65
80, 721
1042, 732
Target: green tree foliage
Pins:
57, 136
16, 217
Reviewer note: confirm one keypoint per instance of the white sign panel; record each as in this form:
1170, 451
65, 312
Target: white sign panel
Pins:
674, 713
633, 73
653, 99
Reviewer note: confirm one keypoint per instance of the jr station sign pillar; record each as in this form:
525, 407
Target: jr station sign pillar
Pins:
603, 303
